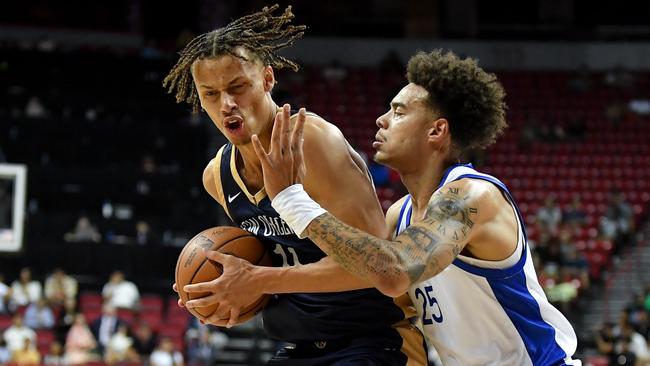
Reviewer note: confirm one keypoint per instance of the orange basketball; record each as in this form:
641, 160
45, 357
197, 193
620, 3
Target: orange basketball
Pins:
194, 267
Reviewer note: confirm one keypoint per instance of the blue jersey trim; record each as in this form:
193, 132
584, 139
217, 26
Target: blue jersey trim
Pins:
401, 214
524, 312
446, 173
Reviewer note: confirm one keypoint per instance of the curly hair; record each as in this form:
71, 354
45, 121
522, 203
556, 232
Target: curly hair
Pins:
471, 99
261, 33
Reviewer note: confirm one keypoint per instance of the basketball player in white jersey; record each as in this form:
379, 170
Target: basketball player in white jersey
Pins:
459, 246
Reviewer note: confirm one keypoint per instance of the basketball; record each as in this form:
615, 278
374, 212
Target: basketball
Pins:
193, 267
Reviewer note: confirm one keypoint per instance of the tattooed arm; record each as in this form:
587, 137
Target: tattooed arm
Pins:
453, 218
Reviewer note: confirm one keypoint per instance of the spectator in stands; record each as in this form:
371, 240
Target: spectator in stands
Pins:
549, 216
121, 293
642, 324
200, 351
80, 343
575, 214
54, 356
25, 290
165, 355
144, 340
39, 315
5, 354
106, 326
575, 263
16, 334
27, 354
117, 349
35, 109
622, 355
142, 233
618, 222
606, 340
637, 343
61, 288
5, 296
203, 345
83, 231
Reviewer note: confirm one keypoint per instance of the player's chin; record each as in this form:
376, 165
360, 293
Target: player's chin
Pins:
380, 157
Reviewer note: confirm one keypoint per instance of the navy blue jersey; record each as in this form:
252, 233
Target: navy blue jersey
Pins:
301, 316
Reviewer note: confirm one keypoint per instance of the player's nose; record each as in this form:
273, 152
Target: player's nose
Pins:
382, 121
228, 103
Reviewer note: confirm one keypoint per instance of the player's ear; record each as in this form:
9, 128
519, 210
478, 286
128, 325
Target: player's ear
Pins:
438, 130
269, 78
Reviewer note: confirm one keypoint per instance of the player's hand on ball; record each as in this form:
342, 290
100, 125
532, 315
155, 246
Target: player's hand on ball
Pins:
180, 302
283, 165
235, 289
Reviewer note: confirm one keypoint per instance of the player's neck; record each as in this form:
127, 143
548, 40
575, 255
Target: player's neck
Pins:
423, 181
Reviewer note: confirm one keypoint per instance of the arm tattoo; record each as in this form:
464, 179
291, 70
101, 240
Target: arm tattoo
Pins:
419, 252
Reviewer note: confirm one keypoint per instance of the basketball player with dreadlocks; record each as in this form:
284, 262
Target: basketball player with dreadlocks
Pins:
329, 316
459, 245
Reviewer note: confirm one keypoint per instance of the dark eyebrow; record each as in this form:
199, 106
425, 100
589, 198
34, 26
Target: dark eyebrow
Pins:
236, 80
396, 105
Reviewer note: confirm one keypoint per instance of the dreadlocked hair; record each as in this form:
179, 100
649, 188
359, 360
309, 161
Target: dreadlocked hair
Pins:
260, 33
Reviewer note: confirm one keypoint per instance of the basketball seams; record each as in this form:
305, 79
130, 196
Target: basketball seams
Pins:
245, 248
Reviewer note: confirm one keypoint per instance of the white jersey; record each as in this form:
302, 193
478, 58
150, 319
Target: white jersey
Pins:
479, 312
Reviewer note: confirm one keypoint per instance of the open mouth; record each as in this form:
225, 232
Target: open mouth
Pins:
233, 123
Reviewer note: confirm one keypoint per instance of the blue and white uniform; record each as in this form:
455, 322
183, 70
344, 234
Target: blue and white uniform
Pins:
478, 312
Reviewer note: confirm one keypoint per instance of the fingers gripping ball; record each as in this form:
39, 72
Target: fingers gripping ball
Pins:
193, 267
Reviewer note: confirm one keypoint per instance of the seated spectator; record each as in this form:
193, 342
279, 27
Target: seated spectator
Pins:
144, 341
54, 356
80, 343
622, 355
549, 216
106, 326
5, 354
27, 354
576, 264
84, 231
203, 345
118, 346
25, 290
618, 222
636, 342
642, 324
60, 287
39, 316
5, 296
165, 355
575, 214
120, 293
606, 340
16, 334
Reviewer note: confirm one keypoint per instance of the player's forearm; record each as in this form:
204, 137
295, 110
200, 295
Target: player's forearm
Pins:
322, 276
363, 255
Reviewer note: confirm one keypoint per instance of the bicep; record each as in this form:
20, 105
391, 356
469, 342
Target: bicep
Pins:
429, 246
337, 183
